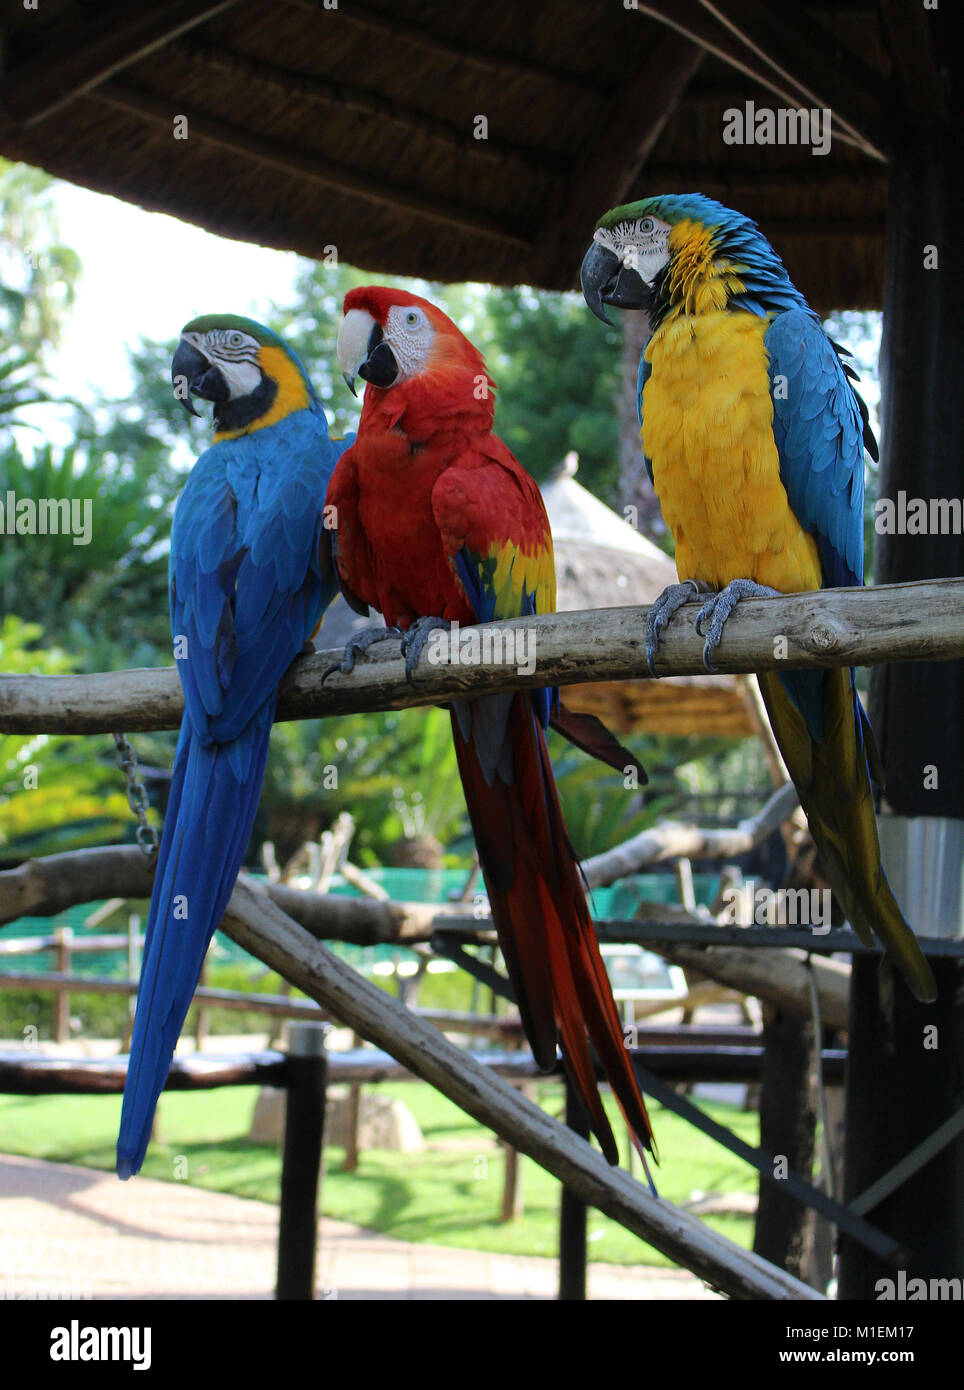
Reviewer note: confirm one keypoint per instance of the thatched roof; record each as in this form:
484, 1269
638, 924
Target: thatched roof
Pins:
355, 127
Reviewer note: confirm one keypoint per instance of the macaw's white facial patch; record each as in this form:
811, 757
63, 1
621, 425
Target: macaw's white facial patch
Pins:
242, 377
641, 243
235, 354
410, 336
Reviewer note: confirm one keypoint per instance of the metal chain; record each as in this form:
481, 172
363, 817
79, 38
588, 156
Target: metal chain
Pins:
147, 836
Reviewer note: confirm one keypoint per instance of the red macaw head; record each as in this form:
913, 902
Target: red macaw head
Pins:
389, 337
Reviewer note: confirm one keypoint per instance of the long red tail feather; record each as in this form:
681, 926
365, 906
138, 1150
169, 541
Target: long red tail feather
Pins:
543, 924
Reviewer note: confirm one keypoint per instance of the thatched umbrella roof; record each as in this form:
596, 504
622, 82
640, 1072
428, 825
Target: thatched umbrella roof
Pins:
356, 127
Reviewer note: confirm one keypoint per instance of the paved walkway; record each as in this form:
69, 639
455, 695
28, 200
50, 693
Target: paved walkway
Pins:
69, 1232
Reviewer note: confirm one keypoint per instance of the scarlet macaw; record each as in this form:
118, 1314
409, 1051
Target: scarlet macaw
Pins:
250, 576
753, 436
436, 522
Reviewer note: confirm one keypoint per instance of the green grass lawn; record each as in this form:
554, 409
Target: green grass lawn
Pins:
449, 1195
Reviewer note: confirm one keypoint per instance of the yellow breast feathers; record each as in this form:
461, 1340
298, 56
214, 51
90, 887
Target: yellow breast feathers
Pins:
707, 427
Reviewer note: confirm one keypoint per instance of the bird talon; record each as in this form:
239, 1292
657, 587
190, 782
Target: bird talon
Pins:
357, 646
717, 609
413, 641
669, 601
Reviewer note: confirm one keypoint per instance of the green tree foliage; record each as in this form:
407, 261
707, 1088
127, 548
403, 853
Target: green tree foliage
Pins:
557, 379
55, 793
38, 276
106, 599
394, 771
38, 272
599, 807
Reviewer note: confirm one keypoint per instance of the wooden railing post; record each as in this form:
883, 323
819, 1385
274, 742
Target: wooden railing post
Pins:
62, 936
301, 1163
573, 1214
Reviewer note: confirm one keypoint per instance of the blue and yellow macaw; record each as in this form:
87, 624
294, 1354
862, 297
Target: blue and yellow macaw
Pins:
250, 575
754, 438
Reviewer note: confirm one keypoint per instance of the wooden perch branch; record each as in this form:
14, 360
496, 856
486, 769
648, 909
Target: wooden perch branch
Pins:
674, 840
833, 627
779, 976
44, 887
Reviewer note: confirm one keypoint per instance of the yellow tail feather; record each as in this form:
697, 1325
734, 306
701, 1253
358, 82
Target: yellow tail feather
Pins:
833, 782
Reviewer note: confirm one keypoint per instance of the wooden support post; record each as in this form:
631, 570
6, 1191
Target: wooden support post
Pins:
203, 1013
573, 1214
62, 1015
784, 1227
903, 1077
899, 1090
353, 1119
301, 1165
512, 1185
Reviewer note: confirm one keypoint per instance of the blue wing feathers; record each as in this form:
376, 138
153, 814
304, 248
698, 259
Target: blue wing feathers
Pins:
819, 432
642, 376
820, 429
247, 591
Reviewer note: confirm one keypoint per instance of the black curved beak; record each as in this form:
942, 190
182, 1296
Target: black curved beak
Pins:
380, 366
193, 375
605, 280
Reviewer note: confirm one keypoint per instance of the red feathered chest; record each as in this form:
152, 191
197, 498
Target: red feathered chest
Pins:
391, 549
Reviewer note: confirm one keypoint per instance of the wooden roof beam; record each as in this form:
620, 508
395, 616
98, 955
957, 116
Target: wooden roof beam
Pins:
741, 49
796, 47
82, 54
306, 165
634, 123
690, 178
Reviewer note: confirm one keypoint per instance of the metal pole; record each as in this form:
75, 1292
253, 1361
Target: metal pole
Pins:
304, 1136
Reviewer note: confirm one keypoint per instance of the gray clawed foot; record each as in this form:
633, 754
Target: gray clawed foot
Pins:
414, 640
672, 598
717, 610
357, 646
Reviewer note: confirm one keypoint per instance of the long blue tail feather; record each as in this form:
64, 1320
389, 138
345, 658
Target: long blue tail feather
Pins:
209, 818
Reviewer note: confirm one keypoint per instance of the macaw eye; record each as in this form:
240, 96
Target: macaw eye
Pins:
647, 226
413, 318
235, 340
